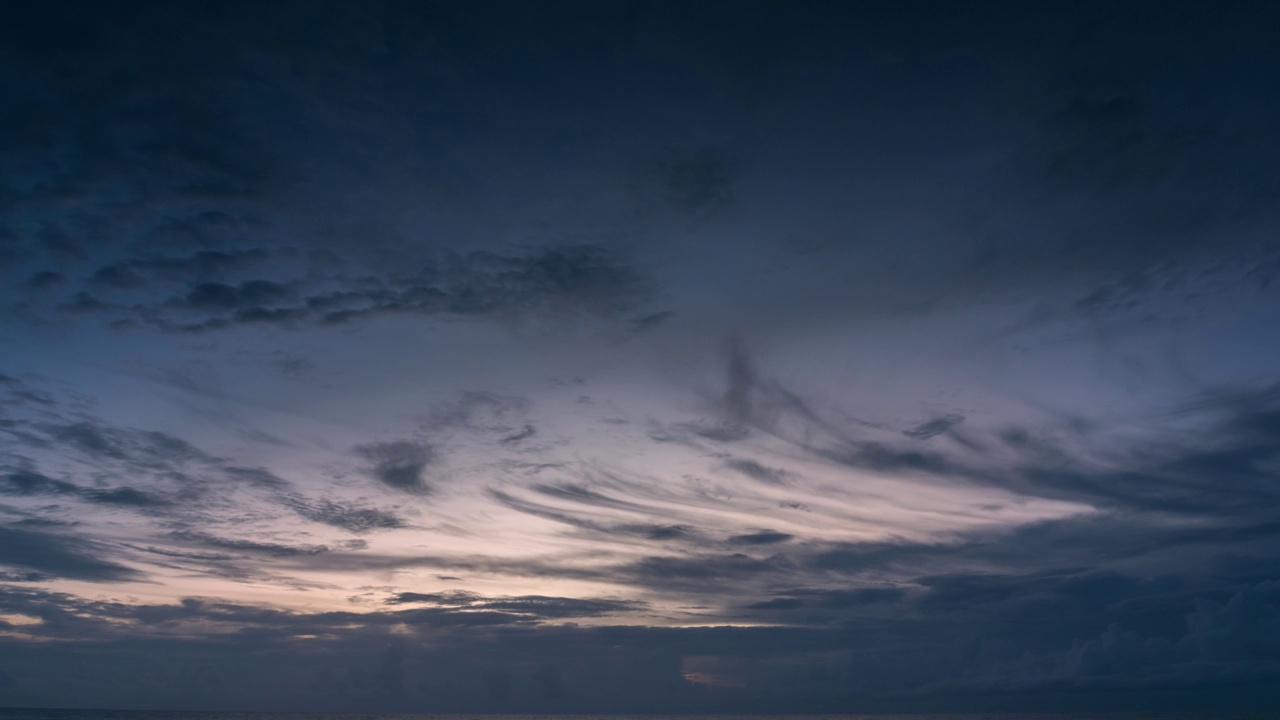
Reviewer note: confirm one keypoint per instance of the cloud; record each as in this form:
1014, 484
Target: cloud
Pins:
259, 186
258, 477
776, 604
399, 464
662, 532
195, 235
763, 537
124, 496
528, 432
30, 483
538, 606
23, 483
1219, 469
64, 556
648, 322
576, 279
44, 280
753, 469
851, 598
184, 554
934, 427
699, 573
349, 518
692, 180
478, 411
1209, 646
293, 648
23, 577
57, 449
247, 546
586, 521
721, 432
149, 449
87, 439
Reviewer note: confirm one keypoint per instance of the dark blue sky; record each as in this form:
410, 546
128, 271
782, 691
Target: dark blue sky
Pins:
639, 356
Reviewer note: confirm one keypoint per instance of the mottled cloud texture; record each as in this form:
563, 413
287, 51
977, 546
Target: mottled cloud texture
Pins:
639, 357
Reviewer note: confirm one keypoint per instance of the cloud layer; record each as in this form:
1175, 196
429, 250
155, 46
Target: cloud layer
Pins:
638, 358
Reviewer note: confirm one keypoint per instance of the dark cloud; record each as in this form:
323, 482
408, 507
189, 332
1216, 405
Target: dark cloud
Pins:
855, 597
477, 285
528, 432
272, 549
400, 464
1135, 531
533, 605
652, 320
663, 532
753, 469
586, 521
44, 280
740, 376
1204, 646
1222, 468
477, 411
144, 449
291, 366
701, 572
968, 215
19, 577
358, 642
245, 296
193, 235
763, 537
29, 483
776, 604
934, 427
455, 598
152, 472
124, 496
721, 432
88, 439
184, 554
586, 494
256, 476
691, 432
58, 555
349, 518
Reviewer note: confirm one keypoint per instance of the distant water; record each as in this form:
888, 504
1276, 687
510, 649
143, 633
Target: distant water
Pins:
48, 714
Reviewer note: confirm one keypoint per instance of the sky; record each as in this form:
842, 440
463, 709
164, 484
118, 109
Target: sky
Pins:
639, 356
